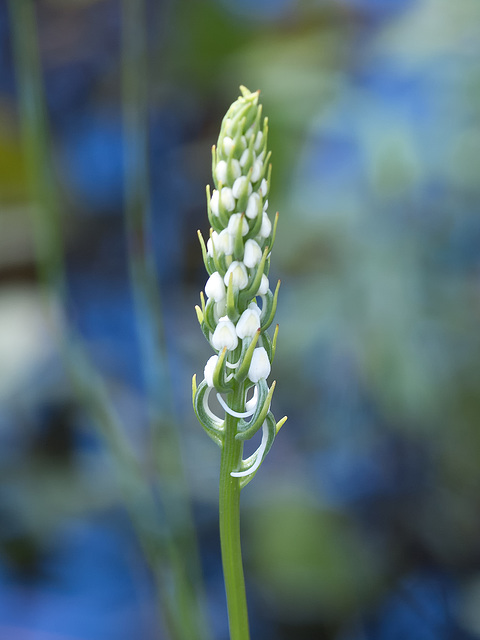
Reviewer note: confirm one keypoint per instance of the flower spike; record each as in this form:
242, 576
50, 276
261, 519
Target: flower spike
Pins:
237, 259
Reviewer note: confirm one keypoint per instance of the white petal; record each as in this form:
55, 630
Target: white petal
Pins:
239, 186
224, 336
244, 157
254, 206
211, 242
235, 165
240, 276
227, 145
264, 286
214, 202
260, 365
234, 223
227, 198
209, 369
253, 306
264, 187
252, 255
221, 172
266, 227
258, 141
248, 324
257, 170
225, 243
215, 287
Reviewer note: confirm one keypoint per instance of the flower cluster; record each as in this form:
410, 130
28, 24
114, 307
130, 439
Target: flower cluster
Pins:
239, 304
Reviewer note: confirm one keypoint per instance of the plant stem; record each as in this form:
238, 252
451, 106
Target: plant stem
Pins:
229, 512
188, 617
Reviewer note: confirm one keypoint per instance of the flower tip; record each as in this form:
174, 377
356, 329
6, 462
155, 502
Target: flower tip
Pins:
280, 424
194, 385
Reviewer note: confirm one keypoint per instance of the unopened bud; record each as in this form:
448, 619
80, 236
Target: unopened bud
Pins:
260, 365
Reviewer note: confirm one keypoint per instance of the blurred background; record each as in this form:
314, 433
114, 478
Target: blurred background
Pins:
364, 522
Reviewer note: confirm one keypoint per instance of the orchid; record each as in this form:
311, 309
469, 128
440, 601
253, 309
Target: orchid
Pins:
235, 317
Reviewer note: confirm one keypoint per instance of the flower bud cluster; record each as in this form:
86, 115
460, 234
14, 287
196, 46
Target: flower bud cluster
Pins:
239, 304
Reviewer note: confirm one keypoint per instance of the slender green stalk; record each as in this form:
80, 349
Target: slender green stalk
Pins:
229, 513
166, 560
188, 617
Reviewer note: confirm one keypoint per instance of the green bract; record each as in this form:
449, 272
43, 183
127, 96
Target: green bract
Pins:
239, 304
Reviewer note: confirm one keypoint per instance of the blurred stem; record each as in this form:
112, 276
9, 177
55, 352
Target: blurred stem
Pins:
139, 499
39, 171
146, 292
229, 513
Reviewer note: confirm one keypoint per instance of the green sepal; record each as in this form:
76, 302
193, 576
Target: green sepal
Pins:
268, 313
205, 256
219, 374
274, 343
265, 137
209, 315
223, 214
214, 164
274, 231
238, 148
238, 245
212, 428
242, 370
248, 429
232, 296
214, 223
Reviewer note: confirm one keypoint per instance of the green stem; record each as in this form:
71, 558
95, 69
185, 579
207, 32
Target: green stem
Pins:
187, 614
229, 511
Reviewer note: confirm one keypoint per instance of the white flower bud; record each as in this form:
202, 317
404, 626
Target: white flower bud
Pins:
209, 369
259, 366
252, 255
248, 324
227, 199
265, 205
221, 172
234, 223
227, 145
228, 124
224, 335
215, 287
240, 185
211, 242
264, 187
264, 286
253, 306
257, 170
258, 141
214, 202
266, 227
254, 206
244, 157
240, 276
235, 165
225, 243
